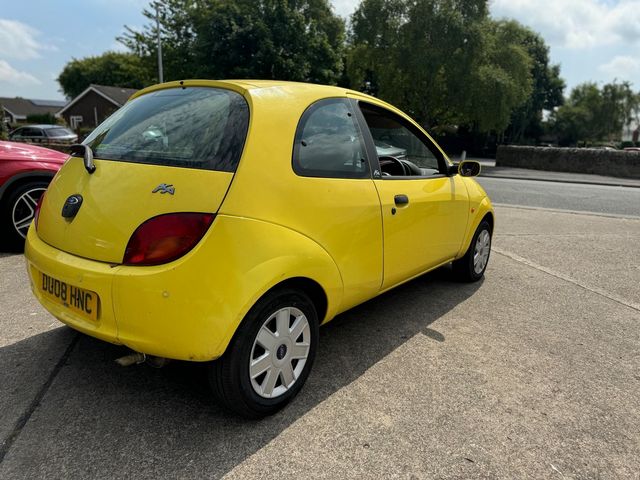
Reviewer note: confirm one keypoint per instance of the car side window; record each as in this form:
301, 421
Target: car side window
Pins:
32, 132
328, 142
401, 148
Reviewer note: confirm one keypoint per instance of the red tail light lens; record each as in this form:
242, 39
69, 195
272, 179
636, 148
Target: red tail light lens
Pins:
165, 238
36, 212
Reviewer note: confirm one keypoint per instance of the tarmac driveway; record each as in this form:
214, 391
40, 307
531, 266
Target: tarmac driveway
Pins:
532, 373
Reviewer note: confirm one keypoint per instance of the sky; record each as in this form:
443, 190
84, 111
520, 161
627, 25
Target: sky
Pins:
592, 40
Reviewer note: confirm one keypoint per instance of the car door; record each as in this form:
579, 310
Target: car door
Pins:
424, 211
17, 135
32, 135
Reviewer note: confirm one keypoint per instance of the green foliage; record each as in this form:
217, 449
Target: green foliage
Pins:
46, 118
111, 68
547, 89
300, 40
501, 81
444, 61
4, 127
593, 114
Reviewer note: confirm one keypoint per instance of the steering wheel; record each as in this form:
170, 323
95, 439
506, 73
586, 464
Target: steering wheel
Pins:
389, 160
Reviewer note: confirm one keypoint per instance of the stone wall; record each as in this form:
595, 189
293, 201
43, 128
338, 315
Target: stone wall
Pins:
615, 163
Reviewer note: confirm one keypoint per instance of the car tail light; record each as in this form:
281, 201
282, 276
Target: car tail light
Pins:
165, 238
36, 212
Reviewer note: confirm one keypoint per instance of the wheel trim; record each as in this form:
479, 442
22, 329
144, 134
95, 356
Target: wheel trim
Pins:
24, 210
481, 252
279, 352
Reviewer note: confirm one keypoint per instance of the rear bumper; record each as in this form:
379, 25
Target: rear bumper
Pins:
76, 271
188, 309
153, 310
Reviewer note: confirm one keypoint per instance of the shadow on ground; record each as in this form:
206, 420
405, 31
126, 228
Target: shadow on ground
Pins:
100, 420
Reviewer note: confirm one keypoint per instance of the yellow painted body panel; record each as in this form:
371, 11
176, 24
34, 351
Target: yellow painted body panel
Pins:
480, 203
271, 225
117, 199
88, 274
341, 215
190, 308
425, 232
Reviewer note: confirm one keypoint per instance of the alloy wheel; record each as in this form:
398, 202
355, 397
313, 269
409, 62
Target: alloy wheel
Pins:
481, 251
24, 210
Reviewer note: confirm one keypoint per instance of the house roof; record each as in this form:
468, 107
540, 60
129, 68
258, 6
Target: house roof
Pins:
20, 107
116, 95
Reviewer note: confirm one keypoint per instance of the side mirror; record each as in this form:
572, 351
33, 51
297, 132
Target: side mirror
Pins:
469, 168
80, 149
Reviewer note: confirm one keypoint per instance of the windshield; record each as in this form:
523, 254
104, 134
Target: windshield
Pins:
193, 127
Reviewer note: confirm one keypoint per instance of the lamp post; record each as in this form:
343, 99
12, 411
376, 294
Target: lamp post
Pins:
160, 72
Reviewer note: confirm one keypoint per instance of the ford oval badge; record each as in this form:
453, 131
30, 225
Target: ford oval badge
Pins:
71, 206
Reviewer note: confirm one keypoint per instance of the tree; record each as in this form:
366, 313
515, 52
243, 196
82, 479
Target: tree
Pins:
375, 27
47, 118
111, 68
443, 61
500, 81
547, 89
593, 114
267, 39
4, 126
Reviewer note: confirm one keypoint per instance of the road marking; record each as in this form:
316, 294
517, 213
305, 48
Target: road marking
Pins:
572, 212
566, 278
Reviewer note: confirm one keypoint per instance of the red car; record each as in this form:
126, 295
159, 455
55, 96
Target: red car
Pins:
25, 172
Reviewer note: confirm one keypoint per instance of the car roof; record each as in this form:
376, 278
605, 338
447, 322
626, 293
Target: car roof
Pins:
254, 87
44, 126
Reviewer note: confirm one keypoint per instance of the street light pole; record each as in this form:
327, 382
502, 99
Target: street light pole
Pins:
160, 72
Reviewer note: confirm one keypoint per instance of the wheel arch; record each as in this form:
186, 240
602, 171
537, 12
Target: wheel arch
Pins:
23, 178
489, 217
311, 288
266, 256
483, 210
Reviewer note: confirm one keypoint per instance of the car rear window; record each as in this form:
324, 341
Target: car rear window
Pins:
191, 127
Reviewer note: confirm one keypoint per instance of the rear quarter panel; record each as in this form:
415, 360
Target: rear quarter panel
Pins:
194, 305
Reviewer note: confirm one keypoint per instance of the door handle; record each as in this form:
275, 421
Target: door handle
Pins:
401, 200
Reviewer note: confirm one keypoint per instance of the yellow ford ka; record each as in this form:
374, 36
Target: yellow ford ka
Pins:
227, 220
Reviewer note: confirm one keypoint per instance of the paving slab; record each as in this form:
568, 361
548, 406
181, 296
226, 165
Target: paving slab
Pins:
31, 344
597, 252
524, 375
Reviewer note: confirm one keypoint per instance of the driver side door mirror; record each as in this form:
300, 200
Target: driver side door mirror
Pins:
466, 168
469, 168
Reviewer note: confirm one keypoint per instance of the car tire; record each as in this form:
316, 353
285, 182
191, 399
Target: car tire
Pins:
17, 212
270, 356
472, 266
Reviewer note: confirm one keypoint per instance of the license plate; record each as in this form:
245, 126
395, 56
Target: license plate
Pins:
79, 300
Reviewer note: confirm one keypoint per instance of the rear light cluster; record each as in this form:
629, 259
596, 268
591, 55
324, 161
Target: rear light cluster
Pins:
165, 238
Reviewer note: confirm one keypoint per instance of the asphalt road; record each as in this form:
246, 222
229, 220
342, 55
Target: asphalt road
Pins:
564, 196
532, 373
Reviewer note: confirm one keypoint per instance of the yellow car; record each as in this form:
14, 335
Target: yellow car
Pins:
227, 220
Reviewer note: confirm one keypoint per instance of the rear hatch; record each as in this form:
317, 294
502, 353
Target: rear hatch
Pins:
167, 151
